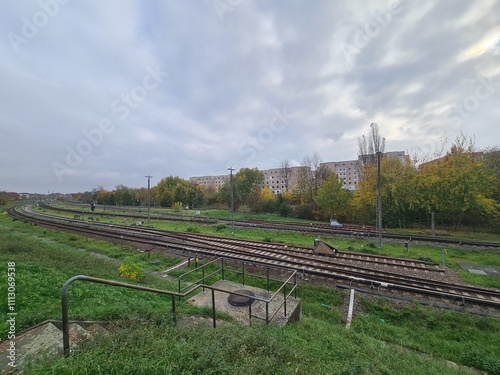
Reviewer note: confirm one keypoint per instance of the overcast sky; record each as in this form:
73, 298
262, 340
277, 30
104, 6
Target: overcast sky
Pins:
102, 93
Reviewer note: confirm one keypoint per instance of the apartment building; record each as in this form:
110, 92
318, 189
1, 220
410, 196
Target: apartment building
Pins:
214, 181
279, 180
347, 170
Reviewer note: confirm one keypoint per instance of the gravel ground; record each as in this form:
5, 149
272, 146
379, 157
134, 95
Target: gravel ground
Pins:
448, 276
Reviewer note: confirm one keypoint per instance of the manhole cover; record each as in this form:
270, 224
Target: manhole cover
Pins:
237, 300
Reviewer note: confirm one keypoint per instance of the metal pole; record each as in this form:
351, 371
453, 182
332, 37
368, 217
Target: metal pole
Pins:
284, 298
214, 316
231, 169
149, 197
379, 202
174, 318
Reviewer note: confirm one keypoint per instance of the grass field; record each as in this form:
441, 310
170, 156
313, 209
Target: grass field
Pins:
384, 338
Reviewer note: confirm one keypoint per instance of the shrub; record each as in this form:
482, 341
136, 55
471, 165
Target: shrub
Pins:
219, 227
130, 270
177, 206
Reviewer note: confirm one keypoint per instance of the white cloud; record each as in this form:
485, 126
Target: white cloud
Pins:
225, 78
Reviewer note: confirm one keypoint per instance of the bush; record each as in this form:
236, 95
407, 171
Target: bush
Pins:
284, 209
304, 211
219, 227
177, 206
130, 270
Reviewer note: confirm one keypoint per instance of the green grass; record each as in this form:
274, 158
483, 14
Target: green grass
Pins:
384, 339
311, 347
458, 337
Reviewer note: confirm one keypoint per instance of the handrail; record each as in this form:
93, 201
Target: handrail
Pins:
64, 300
65, 304
253, 298
179, 279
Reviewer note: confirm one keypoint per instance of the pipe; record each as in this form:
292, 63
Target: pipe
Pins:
351, 308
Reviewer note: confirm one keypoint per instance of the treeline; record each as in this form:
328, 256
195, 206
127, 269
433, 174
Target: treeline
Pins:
462, 187
6, 196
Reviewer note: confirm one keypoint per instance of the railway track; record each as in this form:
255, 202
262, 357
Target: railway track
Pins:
395, 274
325, 229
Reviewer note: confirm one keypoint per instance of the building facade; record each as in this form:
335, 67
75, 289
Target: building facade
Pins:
347, 171
214, 181
280, 180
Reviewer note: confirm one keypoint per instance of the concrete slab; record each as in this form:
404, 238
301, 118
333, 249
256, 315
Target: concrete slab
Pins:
477, 272
41, 342
480, 269
258, 308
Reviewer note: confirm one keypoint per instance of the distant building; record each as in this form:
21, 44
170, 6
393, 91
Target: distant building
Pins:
214, 181
280, 180
346, 170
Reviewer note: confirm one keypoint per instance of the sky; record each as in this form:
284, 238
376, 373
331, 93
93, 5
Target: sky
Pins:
103, 93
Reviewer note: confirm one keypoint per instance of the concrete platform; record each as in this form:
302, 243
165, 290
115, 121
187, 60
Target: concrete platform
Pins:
240, 313
479, 269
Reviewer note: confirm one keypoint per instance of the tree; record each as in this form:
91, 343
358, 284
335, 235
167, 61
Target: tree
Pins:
195, 197
282, 206
266, 193
458, 185
210, 194
491, 159
399, 180
332, 198
105, 197
369, 146
399, 193
310, 177
245, 182
168, 192
124, 195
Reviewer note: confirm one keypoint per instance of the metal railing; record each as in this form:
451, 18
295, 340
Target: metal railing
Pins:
224, 269
65, 302
193, 286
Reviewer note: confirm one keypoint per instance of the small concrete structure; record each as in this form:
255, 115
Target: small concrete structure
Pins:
258, 308
321, 247
479, 269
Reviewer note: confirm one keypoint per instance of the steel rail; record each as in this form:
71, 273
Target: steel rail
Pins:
376, 278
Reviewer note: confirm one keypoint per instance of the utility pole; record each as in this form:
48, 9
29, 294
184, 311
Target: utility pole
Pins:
379, 202
149, 196
231, 169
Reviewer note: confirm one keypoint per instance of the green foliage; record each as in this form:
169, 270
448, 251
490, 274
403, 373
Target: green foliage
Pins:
175, 189
282, 207
177, 206
460, 187
219, 227
130, 270
332, 199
